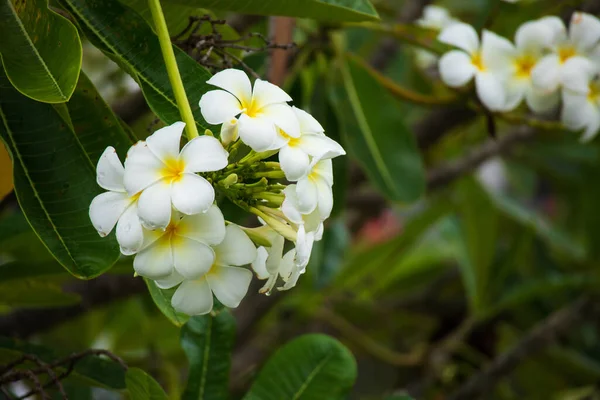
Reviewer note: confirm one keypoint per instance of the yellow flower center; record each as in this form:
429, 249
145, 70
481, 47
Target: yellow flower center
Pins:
524, 65
566, 52
251, 108
173, 170
594, 94
477, 61
292, 142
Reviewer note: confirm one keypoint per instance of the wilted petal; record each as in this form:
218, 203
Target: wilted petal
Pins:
462, 36
204, 154
275, 253
142, 168
218, 106
193, 297
192, 259
456, 68
154, 206
234, 81
258, 133
283, 117
170, 281
106, 209
156, 260
130, 234
546, 74
294, 162
208, 227
229, 284
266, 93
307, 123
584, 30
110, 171
165, 142
192, 194
490, 91
259, 265
304, 245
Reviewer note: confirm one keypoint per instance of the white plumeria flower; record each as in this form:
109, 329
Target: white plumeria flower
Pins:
225, 279
458, 67
295, 153
582, 41
167, 177
183, 247
261, 109
270, 263
314, 189
581, 98
435, 18
531, 40
304, 245
116, 205
291, 209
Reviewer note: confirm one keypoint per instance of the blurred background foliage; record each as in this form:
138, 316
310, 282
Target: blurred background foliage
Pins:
457, 265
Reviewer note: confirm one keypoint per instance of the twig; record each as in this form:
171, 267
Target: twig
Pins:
542, 335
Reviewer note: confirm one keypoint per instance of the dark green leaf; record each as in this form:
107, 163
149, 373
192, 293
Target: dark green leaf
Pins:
208, 342
40, 50
142, 386
313, 366
125, 36
162, 299
323, 10
376, 134
55, 182
34, 292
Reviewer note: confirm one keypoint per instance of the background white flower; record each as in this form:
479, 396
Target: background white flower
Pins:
167, 177
581, 98
435, 18
261, 110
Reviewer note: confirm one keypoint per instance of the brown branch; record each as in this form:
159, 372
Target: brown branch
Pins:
541, 336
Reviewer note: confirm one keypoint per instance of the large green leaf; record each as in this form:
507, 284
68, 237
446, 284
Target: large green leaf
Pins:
40, 50
162, 299
208, 342
34, 292
55, 182
376, 134
322, 10
313, 366
142, 386
126, 37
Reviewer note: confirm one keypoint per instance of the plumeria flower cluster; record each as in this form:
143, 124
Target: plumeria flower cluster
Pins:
162, 199
546, 62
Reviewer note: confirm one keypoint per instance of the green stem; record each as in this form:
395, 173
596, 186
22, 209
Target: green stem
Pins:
169, 56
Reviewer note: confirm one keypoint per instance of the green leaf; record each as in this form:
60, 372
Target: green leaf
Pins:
34, 293
40, 50
162, 299
376, 134
313, 366
322, 10
126, 37
55, 182
208, 342
142, 386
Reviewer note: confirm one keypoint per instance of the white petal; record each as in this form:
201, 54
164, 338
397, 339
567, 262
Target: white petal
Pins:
192, 194
218, 106
154, 206
533, 36
204, 154
490, 91
558, 28
287, 265
294, 162
308, 123
208, 227
258, 133
323, 169
234, 81
591, 129
306, 190
304, 244
192, 259
170, 281
320, 146
130, 234
540, 102
577, 110
576, 74
283, 117
325, 199
259, 265
434, 17
275, 252
229, 132
456, 68
515, 92
497, 52
584, 30
236, 249
229, 284
546, 74
193, 297
462, 36
142, 168
165, 142
109, 172
289, 207
156, 260
106, 209
266, 93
